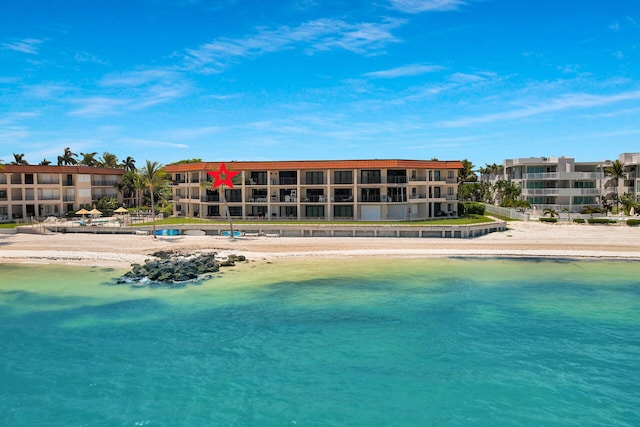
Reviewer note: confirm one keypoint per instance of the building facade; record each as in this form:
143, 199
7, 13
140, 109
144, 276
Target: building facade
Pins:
561, 183
321, 190
34, 191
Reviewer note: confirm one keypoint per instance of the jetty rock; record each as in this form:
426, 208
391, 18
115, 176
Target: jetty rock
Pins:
175, 268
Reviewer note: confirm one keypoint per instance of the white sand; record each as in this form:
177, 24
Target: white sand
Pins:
522, 239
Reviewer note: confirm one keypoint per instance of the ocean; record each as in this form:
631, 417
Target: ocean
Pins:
325, 342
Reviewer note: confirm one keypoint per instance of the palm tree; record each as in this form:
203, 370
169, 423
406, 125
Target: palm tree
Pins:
615, 171
109, 160
129, 164
153, 176
466, 174
551, 212
19, 159
68, 158
44, 162
89, 159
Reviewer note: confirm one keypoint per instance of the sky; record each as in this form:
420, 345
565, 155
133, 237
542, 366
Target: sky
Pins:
224, 80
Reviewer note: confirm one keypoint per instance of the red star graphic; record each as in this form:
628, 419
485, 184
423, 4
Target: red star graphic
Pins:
223, 176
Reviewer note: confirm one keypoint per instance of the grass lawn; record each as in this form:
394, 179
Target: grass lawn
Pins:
471, 219
8, 225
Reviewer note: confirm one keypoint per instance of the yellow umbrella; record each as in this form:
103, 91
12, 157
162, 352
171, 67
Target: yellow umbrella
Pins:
82, 211
95, 211
121, 210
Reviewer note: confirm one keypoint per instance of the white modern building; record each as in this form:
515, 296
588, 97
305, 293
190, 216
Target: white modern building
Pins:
562, 183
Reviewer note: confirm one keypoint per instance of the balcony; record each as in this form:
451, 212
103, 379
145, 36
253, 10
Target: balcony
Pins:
314, 199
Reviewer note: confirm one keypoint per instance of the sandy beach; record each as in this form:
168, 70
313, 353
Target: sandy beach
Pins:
522, 239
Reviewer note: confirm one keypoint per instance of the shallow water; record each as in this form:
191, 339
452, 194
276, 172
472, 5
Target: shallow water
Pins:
326, 342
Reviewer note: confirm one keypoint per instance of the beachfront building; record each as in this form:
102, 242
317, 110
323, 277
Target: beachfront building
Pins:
554, 182
629, 182
36, 191
321, 190
561, 183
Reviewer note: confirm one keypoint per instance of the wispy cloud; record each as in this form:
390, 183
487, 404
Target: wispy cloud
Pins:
419, 6
139, 77
149, 143
191, 133
29, 46
568, 102
87, 57
97, 106
318, 35
404, 71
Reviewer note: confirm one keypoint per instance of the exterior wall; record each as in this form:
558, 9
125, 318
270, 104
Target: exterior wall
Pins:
631, 182
41, 191
330, 190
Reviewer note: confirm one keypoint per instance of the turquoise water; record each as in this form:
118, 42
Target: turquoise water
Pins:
325, 343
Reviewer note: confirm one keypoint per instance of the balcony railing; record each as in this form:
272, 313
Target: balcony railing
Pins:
69, 198
104, 183
369, 198
48, 182
342, 199
287, 181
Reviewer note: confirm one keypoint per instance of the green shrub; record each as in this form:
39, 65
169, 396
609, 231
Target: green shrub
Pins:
472, 208
579, 220
601, 221
633, 222
553, 220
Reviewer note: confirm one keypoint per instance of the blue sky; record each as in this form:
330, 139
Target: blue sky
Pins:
320, 79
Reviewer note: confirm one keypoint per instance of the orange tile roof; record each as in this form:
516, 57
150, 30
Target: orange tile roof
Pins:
317, 164
61, 169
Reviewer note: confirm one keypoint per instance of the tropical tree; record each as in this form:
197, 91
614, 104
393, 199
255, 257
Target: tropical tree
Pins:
615, 171
551, 212
109, 160
89, 159
153, 176
19, 159
510, 192
127, 186
467, 174
568, 211
129, 164
68, 158
44, 162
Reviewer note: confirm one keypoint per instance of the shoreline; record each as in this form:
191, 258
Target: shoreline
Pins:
520, 240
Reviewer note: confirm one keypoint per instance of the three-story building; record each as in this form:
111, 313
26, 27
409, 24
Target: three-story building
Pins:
321, 190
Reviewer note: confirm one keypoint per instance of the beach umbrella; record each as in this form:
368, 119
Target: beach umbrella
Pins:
82, 211
120, 210
95, 212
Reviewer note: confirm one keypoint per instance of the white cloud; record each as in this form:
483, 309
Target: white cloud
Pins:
568, 102
29, 46
191, 133
418, 6
406, 70
318, 35
97, 106
149, 143
139, 78
87, 57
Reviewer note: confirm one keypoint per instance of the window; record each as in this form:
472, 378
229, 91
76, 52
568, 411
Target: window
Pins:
370, 176
288, 211
314, 211
450, 191
342, 195
213, 210
450, 174
316, 177
288, 178
370, 195
436, 175
84, 178
235, 210
343, 211
584, 184
258, 178
84, 192
233, 196
584, 200
28, 178
343, 177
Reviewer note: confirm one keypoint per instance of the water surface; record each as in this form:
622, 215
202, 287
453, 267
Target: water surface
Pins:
326, 342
